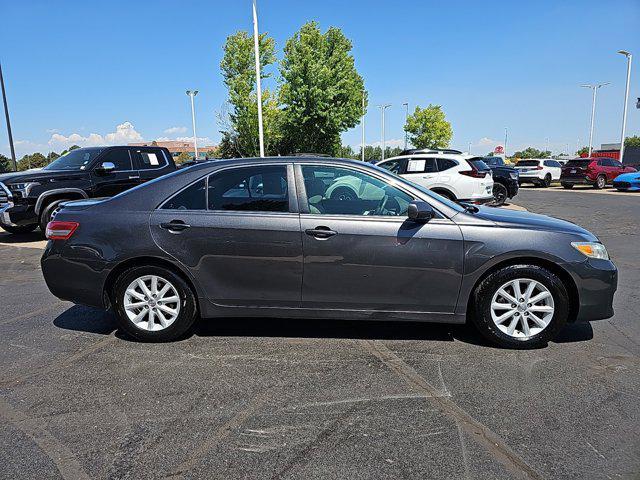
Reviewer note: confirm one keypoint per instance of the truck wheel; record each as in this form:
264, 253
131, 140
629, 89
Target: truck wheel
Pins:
499, 194
45, 215
20, 229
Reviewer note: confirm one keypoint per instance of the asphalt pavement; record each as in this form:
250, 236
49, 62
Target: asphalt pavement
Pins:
253, 398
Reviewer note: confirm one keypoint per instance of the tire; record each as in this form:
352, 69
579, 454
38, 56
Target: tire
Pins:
20, 229
173, 327
546, 183
487, 294
568, 186
500, 194
601, 182
45, 214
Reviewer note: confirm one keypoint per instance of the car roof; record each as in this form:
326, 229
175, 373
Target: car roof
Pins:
276, 160
451, 156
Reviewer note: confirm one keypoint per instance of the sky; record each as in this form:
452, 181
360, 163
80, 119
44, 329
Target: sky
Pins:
97, 72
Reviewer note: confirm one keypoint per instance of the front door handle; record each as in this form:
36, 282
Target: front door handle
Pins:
321, 233
175, 226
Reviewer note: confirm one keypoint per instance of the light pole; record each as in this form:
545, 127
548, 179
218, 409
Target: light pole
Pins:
593, 109
382, 109
406, 119
258, 80
626, 101
192, 94
506, 132
363, 114
6, 114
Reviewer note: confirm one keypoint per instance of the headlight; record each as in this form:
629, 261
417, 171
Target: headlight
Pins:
591, 249
23, 188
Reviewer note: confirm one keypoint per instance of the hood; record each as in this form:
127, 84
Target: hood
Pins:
532, 221
627, 177
38, 176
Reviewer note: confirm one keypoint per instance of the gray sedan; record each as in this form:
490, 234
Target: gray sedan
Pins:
322, 238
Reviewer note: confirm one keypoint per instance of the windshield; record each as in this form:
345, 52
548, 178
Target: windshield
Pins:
528, 163
440, 198
78, 159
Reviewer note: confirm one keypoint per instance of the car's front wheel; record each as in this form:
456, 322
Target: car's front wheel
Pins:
154, 304
521, 306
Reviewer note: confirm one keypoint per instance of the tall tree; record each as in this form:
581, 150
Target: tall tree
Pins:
632, 141
531, 152
5, 164
429, 128
35, 160
240, 124
583, 151
321, 91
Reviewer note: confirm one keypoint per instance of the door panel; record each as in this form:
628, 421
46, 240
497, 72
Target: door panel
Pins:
244, 259
122, 178
381, 264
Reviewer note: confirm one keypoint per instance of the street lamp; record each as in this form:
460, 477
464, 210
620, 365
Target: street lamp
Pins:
406, 119
626, 101
593, 109
258, 80
192, 94
6, 114
382, 109
505, 142
363, 114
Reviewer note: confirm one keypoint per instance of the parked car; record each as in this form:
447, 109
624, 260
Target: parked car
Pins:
266, 237
28, 199
627, 182
597, 172
505, 179
455, 176
541, 172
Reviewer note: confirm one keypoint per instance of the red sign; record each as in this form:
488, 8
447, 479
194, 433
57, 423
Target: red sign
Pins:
499, 149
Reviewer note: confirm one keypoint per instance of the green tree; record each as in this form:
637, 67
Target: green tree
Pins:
632, 141
6, 165
35, 160
71, 148
583, 151
321, 90
531, 152
183, 157
240, 132
428, 128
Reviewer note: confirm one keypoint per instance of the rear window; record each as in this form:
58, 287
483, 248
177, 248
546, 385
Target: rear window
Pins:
528, 163
478, 164
578, 163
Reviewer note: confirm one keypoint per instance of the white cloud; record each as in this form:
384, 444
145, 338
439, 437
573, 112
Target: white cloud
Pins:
486, 142
125, 133
392, 142
173, 130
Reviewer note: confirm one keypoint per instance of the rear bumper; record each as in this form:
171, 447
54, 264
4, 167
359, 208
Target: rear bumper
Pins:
576, 181
597, 282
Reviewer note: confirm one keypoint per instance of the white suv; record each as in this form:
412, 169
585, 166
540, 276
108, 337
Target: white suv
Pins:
539, 171
456, 176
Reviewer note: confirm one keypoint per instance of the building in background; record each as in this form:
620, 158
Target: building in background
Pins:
176, 147
612, 150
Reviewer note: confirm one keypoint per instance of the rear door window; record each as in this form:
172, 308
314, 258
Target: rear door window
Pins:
149, 159
193, 197
421, 165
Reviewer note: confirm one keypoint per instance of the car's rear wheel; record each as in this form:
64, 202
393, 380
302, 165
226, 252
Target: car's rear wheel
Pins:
500, 194
20, 228
601, 182
154, 304
521, 306
547, 181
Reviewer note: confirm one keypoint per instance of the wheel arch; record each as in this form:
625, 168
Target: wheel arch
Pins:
59, 194
564, 275
445, 192
145, 261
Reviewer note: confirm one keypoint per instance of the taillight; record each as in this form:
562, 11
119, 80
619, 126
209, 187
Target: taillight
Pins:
61, 230
538, 167
473, 173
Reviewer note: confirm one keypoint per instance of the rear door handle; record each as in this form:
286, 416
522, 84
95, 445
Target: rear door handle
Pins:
321, 233
175, 226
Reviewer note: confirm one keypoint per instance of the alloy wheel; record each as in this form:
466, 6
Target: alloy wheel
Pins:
151, 303
522, 308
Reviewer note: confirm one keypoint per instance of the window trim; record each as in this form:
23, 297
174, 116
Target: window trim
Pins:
304, 204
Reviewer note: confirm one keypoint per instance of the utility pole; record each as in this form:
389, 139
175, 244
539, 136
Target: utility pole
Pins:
6, 114
626, 101
258, 79
593, 110
505, 141
406, 119
192, 94
363, 114
382, 110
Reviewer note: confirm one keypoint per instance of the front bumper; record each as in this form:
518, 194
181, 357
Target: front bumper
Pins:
627, 186
17, 215
597, 282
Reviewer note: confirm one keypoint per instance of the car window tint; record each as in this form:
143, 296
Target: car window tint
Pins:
528, 163
193, 197
342, 191
445, 164
262, 188
119, 157
149, 159
394, 166
478, 164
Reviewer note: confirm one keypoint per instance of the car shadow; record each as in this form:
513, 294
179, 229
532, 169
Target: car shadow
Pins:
24, 238
96, 321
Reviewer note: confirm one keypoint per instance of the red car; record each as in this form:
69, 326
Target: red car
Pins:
597, 172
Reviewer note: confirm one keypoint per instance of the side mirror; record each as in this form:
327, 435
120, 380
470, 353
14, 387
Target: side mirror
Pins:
106, 167
420, 211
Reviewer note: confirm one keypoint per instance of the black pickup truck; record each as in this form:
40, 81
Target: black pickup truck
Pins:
505, 179
27, 199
